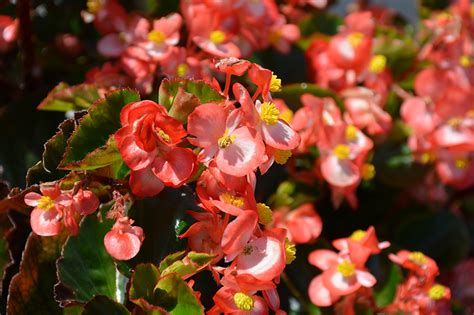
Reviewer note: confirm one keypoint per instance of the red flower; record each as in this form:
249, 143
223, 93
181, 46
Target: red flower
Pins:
124, 240
147, 142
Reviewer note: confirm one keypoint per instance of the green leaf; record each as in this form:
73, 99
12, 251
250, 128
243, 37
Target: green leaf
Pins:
171, 259
85, 267
292, 94
31, 289
103, 305
200, 89
54, 148
443, 236
173, 294
184, 103
186, 266
386, 295
97, 126
64, 98
320, 22
143, 282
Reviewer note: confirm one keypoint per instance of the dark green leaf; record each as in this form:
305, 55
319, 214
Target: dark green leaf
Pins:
31, 290
64, 98
85, 267
386, 295
103, 305
320, 22
144, 280
173, 294
97, 126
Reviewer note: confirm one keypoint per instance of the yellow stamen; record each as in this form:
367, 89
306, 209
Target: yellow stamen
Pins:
428, 157
269, 113
355, 39
455, 122
94, 6
226, 140
342, 151
437, 292
163, 135
465, 61
275, 84
181, 70
378, 63
461, 163
281, 156
157, 36
264, 213
287, 115
368, 171
45, 203
243, 301
418, 258
351, 133
290, 251
233, 200
472, 9
274, 37
217, 37
358, 235
346, 268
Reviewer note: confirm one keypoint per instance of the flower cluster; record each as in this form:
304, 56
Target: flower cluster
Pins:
147, 49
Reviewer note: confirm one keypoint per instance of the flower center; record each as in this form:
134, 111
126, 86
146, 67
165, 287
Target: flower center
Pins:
465, 61
264, 213
181, 70
45, 203
226, 140
290, 251
281, 156
346, 268
248, 249
351, 133
275, 84
94, 6
269, 113
243, 301
428, 157
358, 235
233, 200
217, 37
355, 39
163, 135
274, 37
378, 63
461, 163
455, 122
287, 115
157, 36
342, 151
437, 292
368, 171
418, 258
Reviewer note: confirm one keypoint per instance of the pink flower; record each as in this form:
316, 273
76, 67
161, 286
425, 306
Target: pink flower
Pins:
123, 242
237, 150
8, 32
48, 209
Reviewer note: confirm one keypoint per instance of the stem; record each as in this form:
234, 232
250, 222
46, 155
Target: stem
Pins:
26, 43
227, 84
294, 291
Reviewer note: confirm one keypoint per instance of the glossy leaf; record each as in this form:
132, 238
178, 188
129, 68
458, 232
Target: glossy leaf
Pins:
173, 294
200, 89
143, 282
31, 290
64, 98
85, 267
96, 127
103, 305
187, 266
